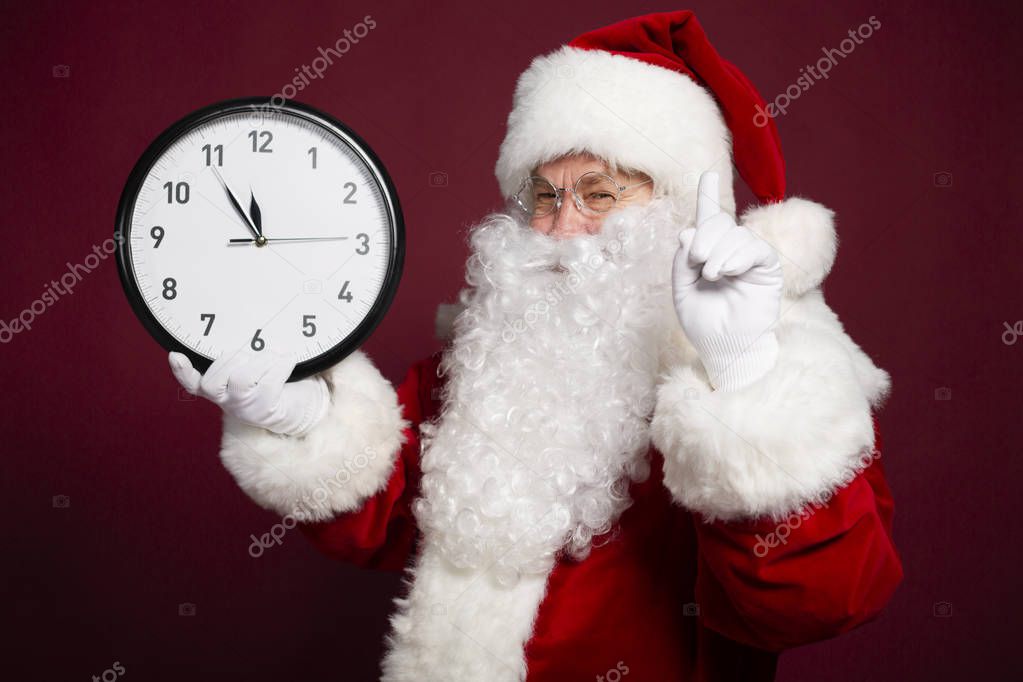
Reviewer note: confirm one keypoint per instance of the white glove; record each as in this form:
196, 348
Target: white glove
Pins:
727, 285
252, 387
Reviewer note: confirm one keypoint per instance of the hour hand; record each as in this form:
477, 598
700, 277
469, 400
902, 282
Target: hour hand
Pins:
256, 232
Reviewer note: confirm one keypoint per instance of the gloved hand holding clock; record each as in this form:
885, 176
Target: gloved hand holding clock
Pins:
727, 287
252, 387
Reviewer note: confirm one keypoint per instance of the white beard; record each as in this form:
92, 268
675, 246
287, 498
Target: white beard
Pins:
552, 377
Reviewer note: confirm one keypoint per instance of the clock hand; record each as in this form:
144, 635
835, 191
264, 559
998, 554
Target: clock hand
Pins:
239, 242
255, 213
259, 238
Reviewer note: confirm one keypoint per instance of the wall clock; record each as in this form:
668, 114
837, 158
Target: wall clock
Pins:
260, 225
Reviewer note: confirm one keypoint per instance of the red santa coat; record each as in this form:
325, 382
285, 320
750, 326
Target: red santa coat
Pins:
668, 596
765, 522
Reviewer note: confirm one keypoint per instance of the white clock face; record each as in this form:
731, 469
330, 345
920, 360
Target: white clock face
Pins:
279, 177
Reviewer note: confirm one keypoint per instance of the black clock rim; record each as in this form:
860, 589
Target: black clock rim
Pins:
126, 207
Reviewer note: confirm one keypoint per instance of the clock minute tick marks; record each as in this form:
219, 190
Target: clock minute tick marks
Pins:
157, 282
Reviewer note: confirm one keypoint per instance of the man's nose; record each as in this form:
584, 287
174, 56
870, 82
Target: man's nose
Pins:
569, 221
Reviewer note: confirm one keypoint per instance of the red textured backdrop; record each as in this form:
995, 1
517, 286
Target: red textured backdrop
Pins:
913, 140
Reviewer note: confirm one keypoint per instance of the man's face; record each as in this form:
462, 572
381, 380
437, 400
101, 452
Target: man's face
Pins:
569, 221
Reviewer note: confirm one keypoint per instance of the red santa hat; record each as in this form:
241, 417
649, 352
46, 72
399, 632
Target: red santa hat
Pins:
650, 93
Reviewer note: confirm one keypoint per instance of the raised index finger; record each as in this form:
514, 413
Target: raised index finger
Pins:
708, 198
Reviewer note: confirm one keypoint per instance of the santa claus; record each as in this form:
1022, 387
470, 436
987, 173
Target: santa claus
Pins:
648, 449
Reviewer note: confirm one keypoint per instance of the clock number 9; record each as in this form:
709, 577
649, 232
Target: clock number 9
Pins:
157, 233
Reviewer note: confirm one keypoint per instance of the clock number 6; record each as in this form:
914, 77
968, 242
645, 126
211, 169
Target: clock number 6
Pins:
257, 343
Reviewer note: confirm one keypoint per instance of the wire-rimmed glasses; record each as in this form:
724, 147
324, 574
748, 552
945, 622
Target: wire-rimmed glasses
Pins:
593, 191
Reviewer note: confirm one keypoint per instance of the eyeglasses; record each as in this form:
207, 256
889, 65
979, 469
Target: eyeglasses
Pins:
598, 192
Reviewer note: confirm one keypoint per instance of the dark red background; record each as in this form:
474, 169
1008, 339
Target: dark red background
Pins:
927, 274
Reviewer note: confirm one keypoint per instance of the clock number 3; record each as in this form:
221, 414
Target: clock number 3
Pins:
364, 247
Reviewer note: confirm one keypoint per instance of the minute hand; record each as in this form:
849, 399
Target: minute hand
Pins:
256, 232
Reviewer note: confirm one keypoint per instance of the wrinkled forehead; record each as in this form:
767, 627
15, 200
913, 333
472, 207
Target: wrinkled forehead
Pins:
575, 164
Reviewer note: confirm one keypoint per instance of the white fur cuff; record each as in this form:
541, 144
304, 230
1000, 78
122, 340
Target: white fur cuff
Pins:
347, 457
795, 435
803, 234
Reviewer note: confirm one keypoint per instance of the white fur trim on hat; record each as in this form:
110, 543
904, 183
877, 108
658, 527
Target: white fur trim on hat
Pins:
803, 234
347, 457
620, 109
795, 435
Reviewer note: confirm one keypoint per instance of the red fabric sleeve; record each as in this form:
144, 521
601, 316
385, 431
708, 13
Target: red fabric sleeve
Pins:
819, 573
382, 533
